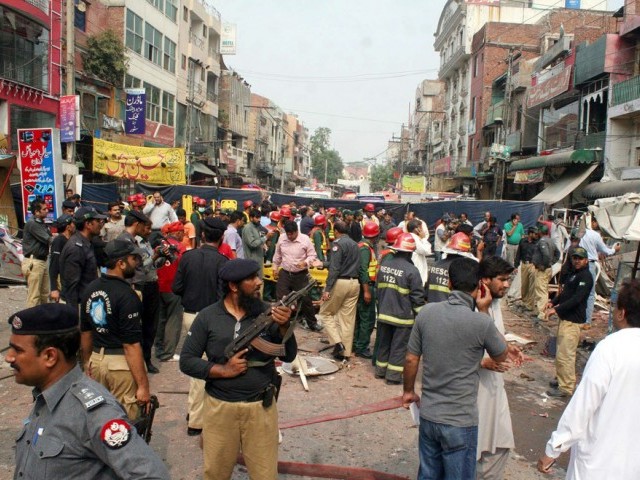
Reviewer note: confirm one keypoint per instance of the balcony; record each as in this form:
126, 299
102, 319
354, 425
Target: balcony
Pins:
196, 40
591, 141
462, 130
495, 113
212, 97
626, 91
264, 168
457, 59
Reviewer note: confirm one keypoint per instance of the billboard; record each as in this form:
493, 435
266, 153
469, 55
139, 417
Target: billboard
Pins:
69, 118
228, 39
135, 111
40, 169
413, 184
164, 166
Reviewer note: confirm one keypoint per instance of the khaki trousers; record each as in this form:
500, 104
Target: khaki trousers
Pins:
542, 278
491, 466
195, 400
112, 371
566, 347
510, 252
233, 426
36, 274
338, 314
527, 285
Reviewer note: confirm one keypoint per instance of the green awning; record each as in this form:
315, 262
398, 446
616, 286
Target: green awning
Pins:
561, 159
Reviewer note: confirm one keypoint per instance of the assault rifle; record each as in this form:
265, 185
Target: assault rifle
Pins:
144, 422
250, 337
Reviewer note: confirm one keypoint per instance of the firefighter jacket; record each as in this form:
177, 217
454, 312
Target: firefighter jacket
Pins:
329, 231
368, 263
320, 243
399, 290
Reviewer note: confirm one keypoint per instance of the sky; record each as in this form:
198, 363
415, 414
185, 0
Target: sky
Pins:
350, 65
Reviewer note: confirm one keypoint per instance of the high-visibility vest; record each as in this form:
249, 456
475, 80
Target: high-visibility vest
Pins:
330, 233
324, 246
383, 254
372, 269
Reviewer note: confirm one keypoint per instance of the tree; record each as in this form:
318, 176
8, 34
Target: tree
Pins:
381, 177
324, 158
105, 57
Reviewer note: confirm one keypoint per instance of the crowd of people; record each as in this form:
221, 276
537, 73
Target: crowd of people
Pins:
135, 277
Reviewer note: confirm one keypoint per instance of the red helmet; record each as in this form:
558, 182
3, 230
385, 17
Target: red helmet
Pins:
332, 210
369, 207
195, 199
285, 212
131, 198
370, 230
201, 202
275, 216
247, 204
140, 200
405, 243
392, 234
320, 220
459, 242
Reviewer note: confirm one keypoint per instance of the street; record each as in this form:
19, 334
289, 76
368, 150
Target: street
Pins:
384, 441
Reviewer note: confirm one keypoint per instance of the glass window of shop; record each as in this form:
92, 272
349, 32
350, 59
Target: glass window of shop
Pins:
560, 126
24, 46
20, 117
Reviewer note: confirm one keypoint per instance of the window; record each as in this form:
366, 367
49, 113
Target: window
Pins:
171, 10
153, 102
168, 102
152, 44
157, 3
169, 56
204, 30
202, 74
133, 38
183, 62
185, 14
475, 66
472, 112
23, 117
89, 107
131, 82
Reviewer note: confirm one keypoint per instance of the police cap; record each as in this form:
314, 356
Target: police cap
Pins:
63, 220
238, 269
214, 223
116, 249
69, 204
47, 319
87, 213
580, 252
139, 216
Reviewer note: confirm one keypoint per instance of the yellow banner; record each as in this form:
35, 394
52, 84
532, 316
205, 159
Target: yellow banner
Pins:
164, 166
413, 184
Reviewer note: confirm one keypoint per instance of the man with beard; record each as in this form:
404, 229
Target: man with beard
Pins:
78, 264
253, 242
495, 433
114, 226
240, 412
111, 330
76, 429
159, 212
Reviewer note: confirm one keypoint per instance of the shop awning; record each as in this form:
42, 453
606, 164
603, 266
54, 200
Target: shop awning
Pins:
615, 188
557, 160
567, 183
202, 168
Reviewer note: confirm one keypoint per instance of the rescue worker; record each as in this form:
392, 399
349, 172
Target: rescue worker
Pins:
366, 310
369, 215
197, 214
319, 238
247, 205
78, 264
340, 296
437, 289
111, 328
269, 293
400, 297
331, 219
390, 238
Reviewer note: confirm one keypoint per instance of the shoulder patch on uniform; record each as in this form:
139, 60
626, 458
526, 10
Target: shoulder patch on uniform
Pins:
78, 244
116, 433
334, 248
87, 396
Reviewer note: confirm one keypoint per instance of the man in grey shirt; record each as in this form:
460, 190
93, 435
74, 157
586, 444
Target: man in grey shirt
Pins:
159, 212
452, 338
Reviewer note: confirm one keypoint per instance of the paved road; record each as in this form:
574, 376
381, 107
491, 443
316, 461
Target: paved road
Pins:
384, 441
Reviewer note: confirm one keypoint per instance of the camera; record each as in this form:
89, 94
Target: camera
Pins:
166, 253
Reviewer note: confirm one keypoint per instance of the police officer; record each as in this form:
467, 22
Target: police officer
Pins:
340, 297
66, 228
366, 311
400, 297
35, 246
78, 264
111, 314
76, 429
240, 411
524, 255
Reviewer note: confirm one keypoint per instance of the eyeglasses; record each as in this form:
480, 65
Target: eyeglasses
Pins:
236, 330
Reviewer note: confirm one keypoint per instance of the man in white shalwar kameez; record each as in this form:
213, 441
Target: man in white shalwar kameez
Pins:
495, 434
601, 424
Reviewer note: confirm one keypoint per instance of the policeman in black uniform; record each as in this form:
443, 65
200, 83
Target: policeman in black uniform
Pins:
240, 411
78, 264
112, 334
76, 429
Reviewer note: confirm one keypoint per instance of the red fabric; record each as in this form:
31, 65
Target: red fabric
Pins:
225, 250
167, 273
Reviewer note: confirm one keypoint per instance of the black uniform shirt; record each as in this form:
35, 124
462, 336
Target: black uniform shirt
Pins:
344, 260
571, 304
212, 330
197, 280
78, 268
54, 260
525, 251
35, 239
113, 311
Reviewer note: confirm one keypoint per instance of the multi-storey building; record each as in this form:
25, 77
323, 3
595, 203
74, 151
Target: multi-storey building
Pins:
261, 125
30, 33
459, 22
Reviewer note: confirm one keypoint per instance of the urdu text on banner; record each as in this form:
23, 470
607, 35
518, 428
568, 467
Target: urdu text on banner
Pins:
164, 166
